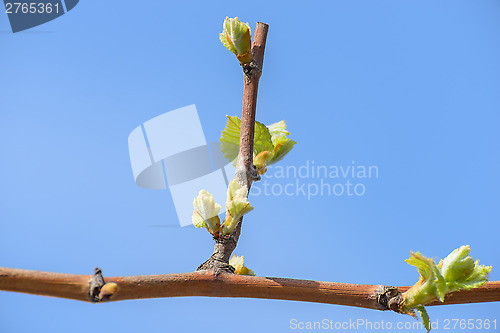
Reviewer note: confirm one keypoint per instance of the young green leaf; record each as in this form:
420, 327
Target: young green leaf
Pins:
282, 147
262, 139
425, 317
277, 130
230, 139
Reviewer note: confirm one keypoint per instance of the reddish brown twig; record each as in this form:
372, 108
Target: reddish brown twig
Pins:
207, 283
245, 170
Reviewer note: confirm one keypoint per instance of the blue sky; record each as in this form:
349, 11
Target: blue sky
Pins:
410, 87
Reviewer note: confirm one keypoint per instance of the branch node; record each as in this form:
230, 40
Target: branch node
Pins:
96, 283
388, 298
100, 291
246, 175
251, 71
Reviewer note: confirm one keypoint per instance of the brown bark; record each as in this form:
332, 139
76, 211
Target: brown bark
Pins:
245, 170
210, 284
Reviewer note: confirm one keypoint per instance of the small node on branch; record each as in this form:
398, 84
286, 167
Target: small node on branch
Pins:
99, 291
251, 71
388, 298
96, 283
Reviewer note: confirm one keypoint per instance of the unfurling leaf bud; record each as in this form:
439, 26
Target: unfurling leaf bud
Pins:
205, 212
237, 205
455, 272
239, 266
457, 265
236, 37
461, 272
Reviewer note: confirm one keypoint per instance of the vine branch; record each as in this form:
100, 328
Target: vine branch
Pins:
210, 284
245, 170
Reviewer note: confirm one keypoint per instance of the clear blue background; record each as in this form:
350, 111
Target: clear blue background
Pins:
409, 86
